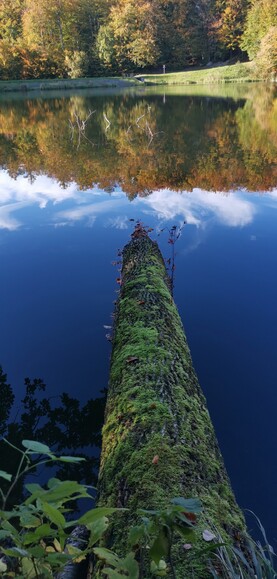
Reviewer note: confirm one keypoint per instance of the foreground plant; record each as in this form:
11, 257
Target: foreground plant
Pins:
38, 537
35, 535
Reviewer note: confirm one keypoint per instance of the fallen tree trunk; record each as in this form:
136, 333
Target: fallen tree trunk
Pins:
158, 438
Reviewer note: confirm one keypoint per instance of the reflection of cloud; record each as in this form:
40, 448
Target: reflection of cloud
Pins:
272, 194
6, 219
41, 191
90, 211
198, 206
120, 222
18, 193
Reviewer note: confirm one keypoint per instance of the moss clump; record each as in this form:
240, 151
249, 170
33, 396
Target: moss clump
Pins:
155, 407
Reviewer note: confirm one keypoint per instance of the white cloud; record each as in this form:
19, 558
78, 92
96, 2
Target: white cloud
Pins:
119, 222
7, 221
197, 206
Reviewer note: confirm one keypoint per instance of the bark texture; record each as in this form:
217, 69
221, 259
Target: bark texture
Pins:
155, 407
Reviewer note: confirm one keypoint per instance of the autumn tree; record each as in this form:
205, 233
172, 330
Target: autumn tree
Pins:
130, 36
266, 59
228, 26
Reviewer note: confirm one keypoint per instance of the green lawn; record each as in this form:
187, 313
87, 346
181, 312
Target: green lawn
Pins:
241, 72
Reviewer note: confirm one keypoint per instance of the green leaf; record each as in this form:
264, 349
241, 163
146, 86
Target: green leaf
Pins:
189, 505
65, 490
112, 573
146, 512
70, 458
8, 527
53, 482
36, 447
29, 521
34, 487
15, 552
160, 547
59, 491
28, 568
54, 515
97, 529
136, 534
96, 514
107, 555
130, 565
159, 570
186, 533
42, 532
3, 566
36, 551
5, 475
61, 558
4, 534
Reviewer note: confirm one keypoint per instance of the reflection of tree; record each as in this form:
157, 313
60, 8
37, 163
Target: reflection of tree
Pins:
184, 143
62, 423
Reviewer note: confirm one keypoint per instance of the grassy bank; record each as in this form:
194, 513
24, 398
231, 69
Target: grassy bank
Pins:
241, 72
66, 84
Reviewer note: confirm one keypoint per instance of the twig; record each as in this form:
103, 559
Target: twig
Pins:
107, 121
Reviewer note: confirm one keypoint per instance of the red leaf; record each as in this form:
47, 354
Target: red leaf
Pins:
190, 516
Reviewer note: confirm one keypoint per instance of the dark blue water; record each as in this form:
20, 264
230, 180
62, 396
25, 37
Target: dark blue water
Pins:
58, 286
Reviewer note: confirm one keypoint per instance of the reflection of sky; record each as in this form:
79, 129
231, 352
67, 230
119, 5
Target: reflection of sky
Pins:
56, 247
67, 206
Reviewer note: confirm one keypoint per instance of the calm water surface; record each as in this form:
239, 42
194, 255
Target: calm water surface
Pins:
75, 170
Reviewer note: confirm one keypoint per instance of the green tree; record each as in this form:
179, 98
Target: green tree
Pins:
261, 16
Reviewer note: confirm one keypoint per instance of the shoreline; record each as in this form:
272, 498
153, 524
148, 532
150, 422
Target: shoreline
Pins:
228, 74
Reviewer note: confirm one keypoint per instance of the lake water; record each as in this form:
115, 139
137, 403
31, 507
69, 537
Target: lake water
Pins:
75, 169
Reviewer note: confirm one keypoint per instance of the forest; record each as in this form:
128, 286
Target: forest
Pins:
81, 38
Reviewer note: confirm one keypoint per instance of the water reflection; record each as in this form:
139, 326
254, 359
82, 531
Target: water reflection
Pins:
59, 206
143, 142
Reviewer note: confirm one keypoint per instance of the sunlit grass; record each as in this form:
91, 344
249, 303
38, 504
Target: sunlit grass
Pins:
240, 72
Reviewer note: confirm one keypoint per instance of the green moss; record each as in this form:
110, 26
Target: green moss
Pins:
155, 407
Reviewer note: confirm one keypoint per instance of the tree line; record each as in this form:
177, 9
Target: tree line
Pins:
78, 38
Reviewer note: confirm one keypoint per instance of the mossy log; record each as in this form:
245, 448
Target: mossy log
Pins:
155, 408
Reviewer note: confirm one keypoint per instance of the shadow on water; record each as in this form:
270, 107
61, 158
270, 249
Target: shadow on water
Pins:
61, 422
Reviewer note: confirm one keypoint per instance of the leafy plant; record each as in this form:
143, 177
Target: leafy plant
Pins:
36, 535
159, 527
256, 560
